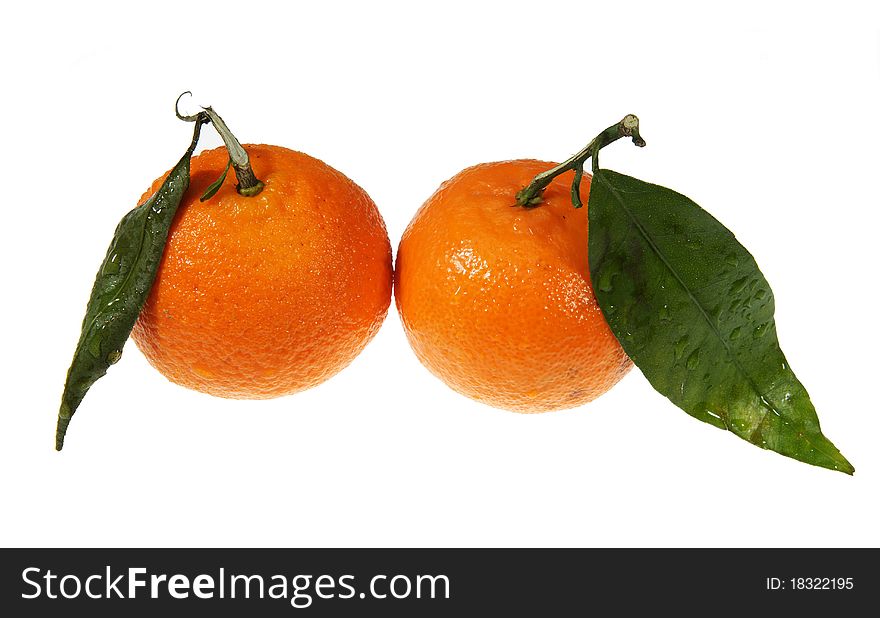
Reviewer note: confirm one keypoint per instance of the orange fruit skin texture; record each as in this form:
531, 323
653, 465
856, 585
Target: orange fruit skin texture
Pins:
496, 299
263, 296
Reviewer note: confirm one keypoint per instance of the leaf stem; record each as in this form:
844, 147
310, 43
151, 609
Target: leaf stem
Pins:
248, 183
530, 196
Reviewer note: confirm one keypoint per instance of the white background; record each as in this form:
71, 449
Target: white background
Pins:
765, 116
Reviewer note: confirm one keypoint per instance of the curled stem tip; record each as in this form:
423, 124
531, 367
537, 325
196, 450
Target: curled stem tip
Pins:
248, 183
530, 196
191, 118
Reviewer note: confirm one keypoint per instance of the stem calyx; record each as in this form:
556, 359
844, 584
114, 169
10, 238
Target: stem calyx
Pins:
531, 195
248, 183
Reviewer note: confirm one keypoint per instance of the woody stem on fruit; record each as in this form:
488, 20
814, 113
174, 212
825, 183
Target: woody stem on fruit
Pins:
531, 195
248, 183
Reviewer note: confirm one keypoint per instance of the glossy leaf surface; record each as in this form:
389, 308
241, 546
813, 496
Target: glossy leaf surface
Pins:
121, 287
693, 311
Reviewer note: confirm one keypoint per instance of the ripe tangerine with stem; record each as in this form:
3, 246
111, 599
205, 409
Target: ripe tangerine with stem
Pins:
269, 287
493, 289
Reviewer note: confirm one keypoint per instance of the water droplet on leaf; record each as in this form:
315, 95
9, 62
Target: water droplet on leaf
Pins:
680, 346
112, 265
606, 281
739, 285
95, 347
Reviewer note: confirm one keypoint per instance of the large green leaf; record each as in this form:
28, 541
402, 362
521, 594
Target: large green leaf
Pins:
121, 287
693, 311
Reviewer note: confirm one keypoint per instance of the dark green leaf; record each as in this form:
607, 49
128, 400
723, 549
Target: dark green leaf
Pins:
693, 311
121, 288
215, 186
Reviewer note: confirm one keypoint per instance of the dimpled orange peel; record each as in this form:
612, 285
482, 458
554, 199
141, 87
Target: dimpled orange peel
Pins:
268, 290
496, 299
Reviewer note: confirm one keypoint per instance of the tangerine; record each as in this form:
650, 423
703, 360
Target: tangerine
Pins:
496, 299
263, 296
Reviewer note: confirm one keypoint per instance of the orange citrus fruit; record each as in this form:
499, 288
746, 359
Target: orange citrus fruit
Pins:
263, 296
496, 299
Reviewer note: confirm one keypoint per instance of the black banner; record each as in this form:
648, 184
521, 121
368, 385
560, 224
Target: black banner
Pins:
434, 582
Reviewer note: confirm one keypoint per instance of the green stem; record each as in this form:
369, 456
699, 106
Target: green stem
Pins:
248, 183
530, 196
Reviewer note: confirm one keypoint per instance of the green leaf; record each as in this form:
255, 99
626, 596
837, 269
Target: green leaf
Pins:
691, 308
121, 288
212, 189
